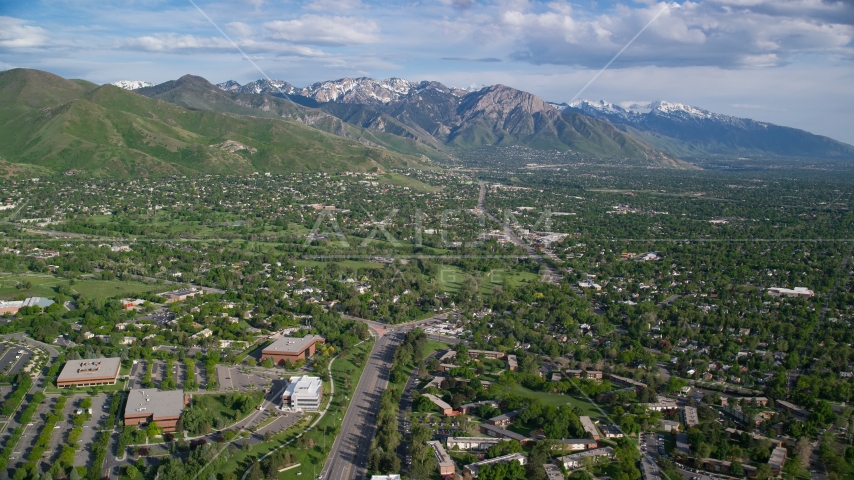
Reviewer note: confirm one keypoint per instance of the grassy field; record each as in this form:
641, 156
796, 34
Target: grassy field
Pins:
216, 404
450, 278
433, 346
46, 285
355, 264
405, 181
557, 400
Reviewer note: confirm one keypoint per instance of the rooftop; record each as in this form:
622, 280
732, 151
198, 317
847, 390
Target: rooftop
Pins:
82, 370
303, 385
151, 401
504, 433
292, 344
442, 457
438, 401
519, 457
778, 458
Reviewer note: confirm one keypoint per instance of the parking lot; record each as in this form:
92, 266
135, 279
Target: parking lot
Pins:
234, 379
91, 427
137, 374
15, 358
284, 421
32, 431
60, 435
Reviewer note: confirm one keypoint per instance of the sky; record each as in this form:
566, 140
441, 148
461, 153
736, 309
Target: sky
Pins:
789, 62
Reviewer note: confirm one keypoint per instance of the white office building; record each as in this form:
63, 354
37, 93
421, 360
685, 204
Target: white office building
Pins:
303, 393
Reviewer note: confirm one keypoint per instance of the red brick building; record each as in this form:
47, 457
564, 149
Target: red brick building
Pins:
291, 348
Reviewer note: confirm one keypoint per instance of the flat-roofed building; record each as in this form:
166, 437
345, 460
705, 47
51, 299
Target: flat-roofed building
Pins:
589, 427
443, 406
89, 372
575, 460
490, 354
498, 432
447, 467
152, 405
580, 443
662, 405
14, 306
504, 419
626, 382
303, 393
473, 443
180, 295
795, 410
589, 374
552, 472
611, 431
649, 469
690, 417
471, 471
470, 407
512, 363
777, 460
291, 349
669, 425
797, 292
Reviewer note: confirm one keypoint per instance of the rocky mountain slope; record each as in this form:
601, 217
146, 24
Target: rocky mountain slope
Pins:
444, 117
685, 130
61, 125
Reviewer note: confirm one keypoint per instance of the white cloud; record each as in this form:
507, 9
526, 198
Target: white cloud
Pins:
726, 33
324, 30
18, 33
171, 42
239, 29
334, 5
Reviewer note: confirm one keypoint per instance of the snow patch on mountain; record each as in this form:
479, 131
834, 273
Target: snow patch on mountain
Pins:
132, 84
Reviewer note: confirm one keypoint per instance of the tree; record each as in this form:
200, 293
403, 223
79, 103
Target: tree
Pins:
803, 450
153, 430
763, 472
131, 471
736, 468
74, 475
703, 450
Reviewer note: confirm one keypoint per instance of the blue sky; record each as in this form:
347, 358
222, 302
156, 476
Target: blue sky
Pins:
789, 62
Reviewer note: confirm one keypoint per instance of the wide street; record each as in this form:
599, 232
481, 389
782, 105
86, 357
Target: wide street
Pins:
349, 455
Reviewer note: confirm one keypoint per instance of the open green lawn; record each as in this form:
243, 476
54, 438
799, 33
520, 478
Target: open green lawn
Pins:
112, 288
433, 346
219, 404
405, 181
450, 278
354, 264
557, 400
46, 285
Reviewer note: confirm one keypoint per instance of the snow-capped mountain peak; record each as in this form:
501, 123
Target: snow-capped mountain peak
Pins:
132, 84
661, 106
229, 86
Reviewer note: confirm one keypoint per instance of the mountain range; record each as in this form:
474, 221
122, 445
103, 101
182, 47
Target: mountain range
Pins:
425, 118
675, 129
50, 124
191, 125
687, 131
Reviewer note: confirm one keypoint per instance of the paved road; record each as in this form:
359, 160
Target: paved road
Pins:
349, 455
552, 276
